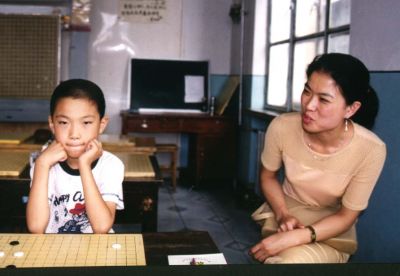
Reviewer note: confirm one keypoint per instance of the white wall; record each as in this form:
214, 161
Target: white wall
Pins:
374, 34
206, 33
193, 29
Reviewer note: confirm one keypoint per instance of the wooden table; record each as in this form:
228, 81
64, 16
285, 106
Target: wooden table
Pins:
158, 246
142, 145
212, 141
141, 199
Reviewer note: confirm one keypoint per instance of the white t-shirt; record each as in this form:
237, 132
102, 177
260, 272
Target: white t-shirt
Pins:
66, 198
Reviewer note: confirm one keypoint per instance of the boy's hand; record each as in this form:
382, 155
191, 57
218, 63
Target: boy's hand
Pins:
93, 151
53, 154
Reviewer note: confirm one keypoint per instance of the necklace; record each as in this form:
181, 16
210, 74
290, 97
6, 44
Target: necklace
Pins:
322, 156
338, 147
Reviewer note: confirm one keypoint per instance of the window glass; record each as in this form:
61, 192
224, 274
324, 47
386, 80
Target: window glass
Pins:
278, 74
291, 50
339, 43
310, 16
260, 38
280, 20
304, 52
340, 13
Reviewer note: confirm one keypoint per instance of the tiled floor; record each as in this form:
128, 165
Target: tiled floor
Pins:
212, 210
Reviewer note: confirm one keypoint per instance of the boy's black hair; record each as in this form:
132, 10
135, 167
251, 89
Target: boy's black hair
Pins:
78, 89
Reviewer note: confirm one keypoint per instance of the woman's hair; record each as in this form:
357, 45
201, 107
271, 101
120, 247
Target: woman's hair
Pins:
78, 89
352, 77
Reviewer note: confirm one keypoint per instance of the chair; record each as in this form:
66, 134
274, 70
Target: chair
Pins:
171, 149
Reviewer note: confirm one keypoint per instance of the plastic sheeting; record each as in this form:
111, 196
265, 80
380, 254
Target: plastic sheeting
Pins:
114, 41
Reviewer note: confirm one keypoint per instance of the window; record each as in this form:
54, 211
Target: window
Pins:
298, 30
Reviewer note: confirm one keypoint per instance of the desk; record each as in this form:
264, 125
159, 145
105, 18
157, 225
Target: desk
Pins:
356, 269
142, 145
158, 246
212, 140
140, 199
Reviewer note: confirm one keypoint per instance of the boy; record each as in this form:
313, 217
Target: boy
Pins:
76, 186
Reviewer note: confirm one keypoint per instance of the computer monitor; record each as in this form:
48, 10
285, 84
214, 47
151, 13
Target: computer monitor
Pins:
169, 84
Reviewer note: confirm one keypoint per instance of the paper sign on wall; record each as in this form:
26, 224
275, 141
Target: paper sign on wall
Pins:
194, 89
143, 11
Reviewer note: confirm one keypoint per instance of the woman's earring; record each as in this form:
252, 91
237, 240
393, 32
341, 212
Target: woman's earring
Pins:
346, 127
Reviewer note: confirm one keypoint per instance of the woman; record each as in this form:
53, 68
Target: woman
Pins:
331, 160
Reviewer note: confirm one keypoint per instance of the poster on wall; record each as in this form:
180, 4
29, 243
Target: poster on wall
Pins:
143, 11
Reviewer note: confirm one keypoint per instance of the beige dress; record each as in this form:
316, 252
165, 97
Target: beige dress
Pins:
346, 177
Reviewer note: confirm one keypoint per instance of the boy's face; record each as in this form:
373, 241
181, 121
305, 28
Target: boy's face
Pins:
75, 123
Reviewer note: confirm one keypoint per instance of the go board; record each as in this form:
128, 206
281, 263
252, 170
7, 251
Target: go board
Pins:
13, 163
13, 138
62, 250
113, 140
136, 165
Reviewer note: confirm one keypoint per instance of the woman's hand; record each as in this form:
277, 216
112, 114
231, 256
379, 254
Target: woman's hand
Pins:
273, 244
93, 151
288, 223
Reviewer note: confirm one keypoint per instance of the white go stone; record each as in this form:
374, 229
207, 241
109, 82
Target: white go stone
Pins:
18, 254
116, 246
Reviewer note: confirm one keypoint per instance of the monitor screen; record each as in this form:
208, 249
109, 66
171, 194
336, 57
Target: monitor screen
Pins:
169, 84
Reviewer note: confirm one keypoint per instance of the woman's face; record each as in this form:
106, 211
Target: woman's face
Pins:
323, 106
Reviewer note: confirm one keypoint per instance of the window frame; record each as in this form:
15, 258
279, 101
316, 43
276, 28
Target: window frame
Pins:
292, 40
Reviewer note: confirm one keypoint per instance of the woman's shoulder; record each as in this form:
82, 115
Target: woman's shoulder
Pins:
289, 116
289, 121
367, 142
367, 136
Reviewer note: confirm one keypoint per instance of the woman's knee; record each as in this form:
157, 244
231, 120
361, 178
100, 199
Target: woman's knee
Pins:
309, 253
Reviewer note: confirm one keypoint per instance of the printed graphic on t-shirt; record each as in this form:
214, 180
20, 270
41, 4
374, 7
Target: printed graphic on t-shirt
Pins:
69, 214
78, 222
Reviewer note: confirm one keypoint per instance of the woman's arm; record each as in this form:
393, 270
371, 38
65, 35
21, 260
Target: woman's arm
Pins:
335, 224
291, 232
273, 193
326, 228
